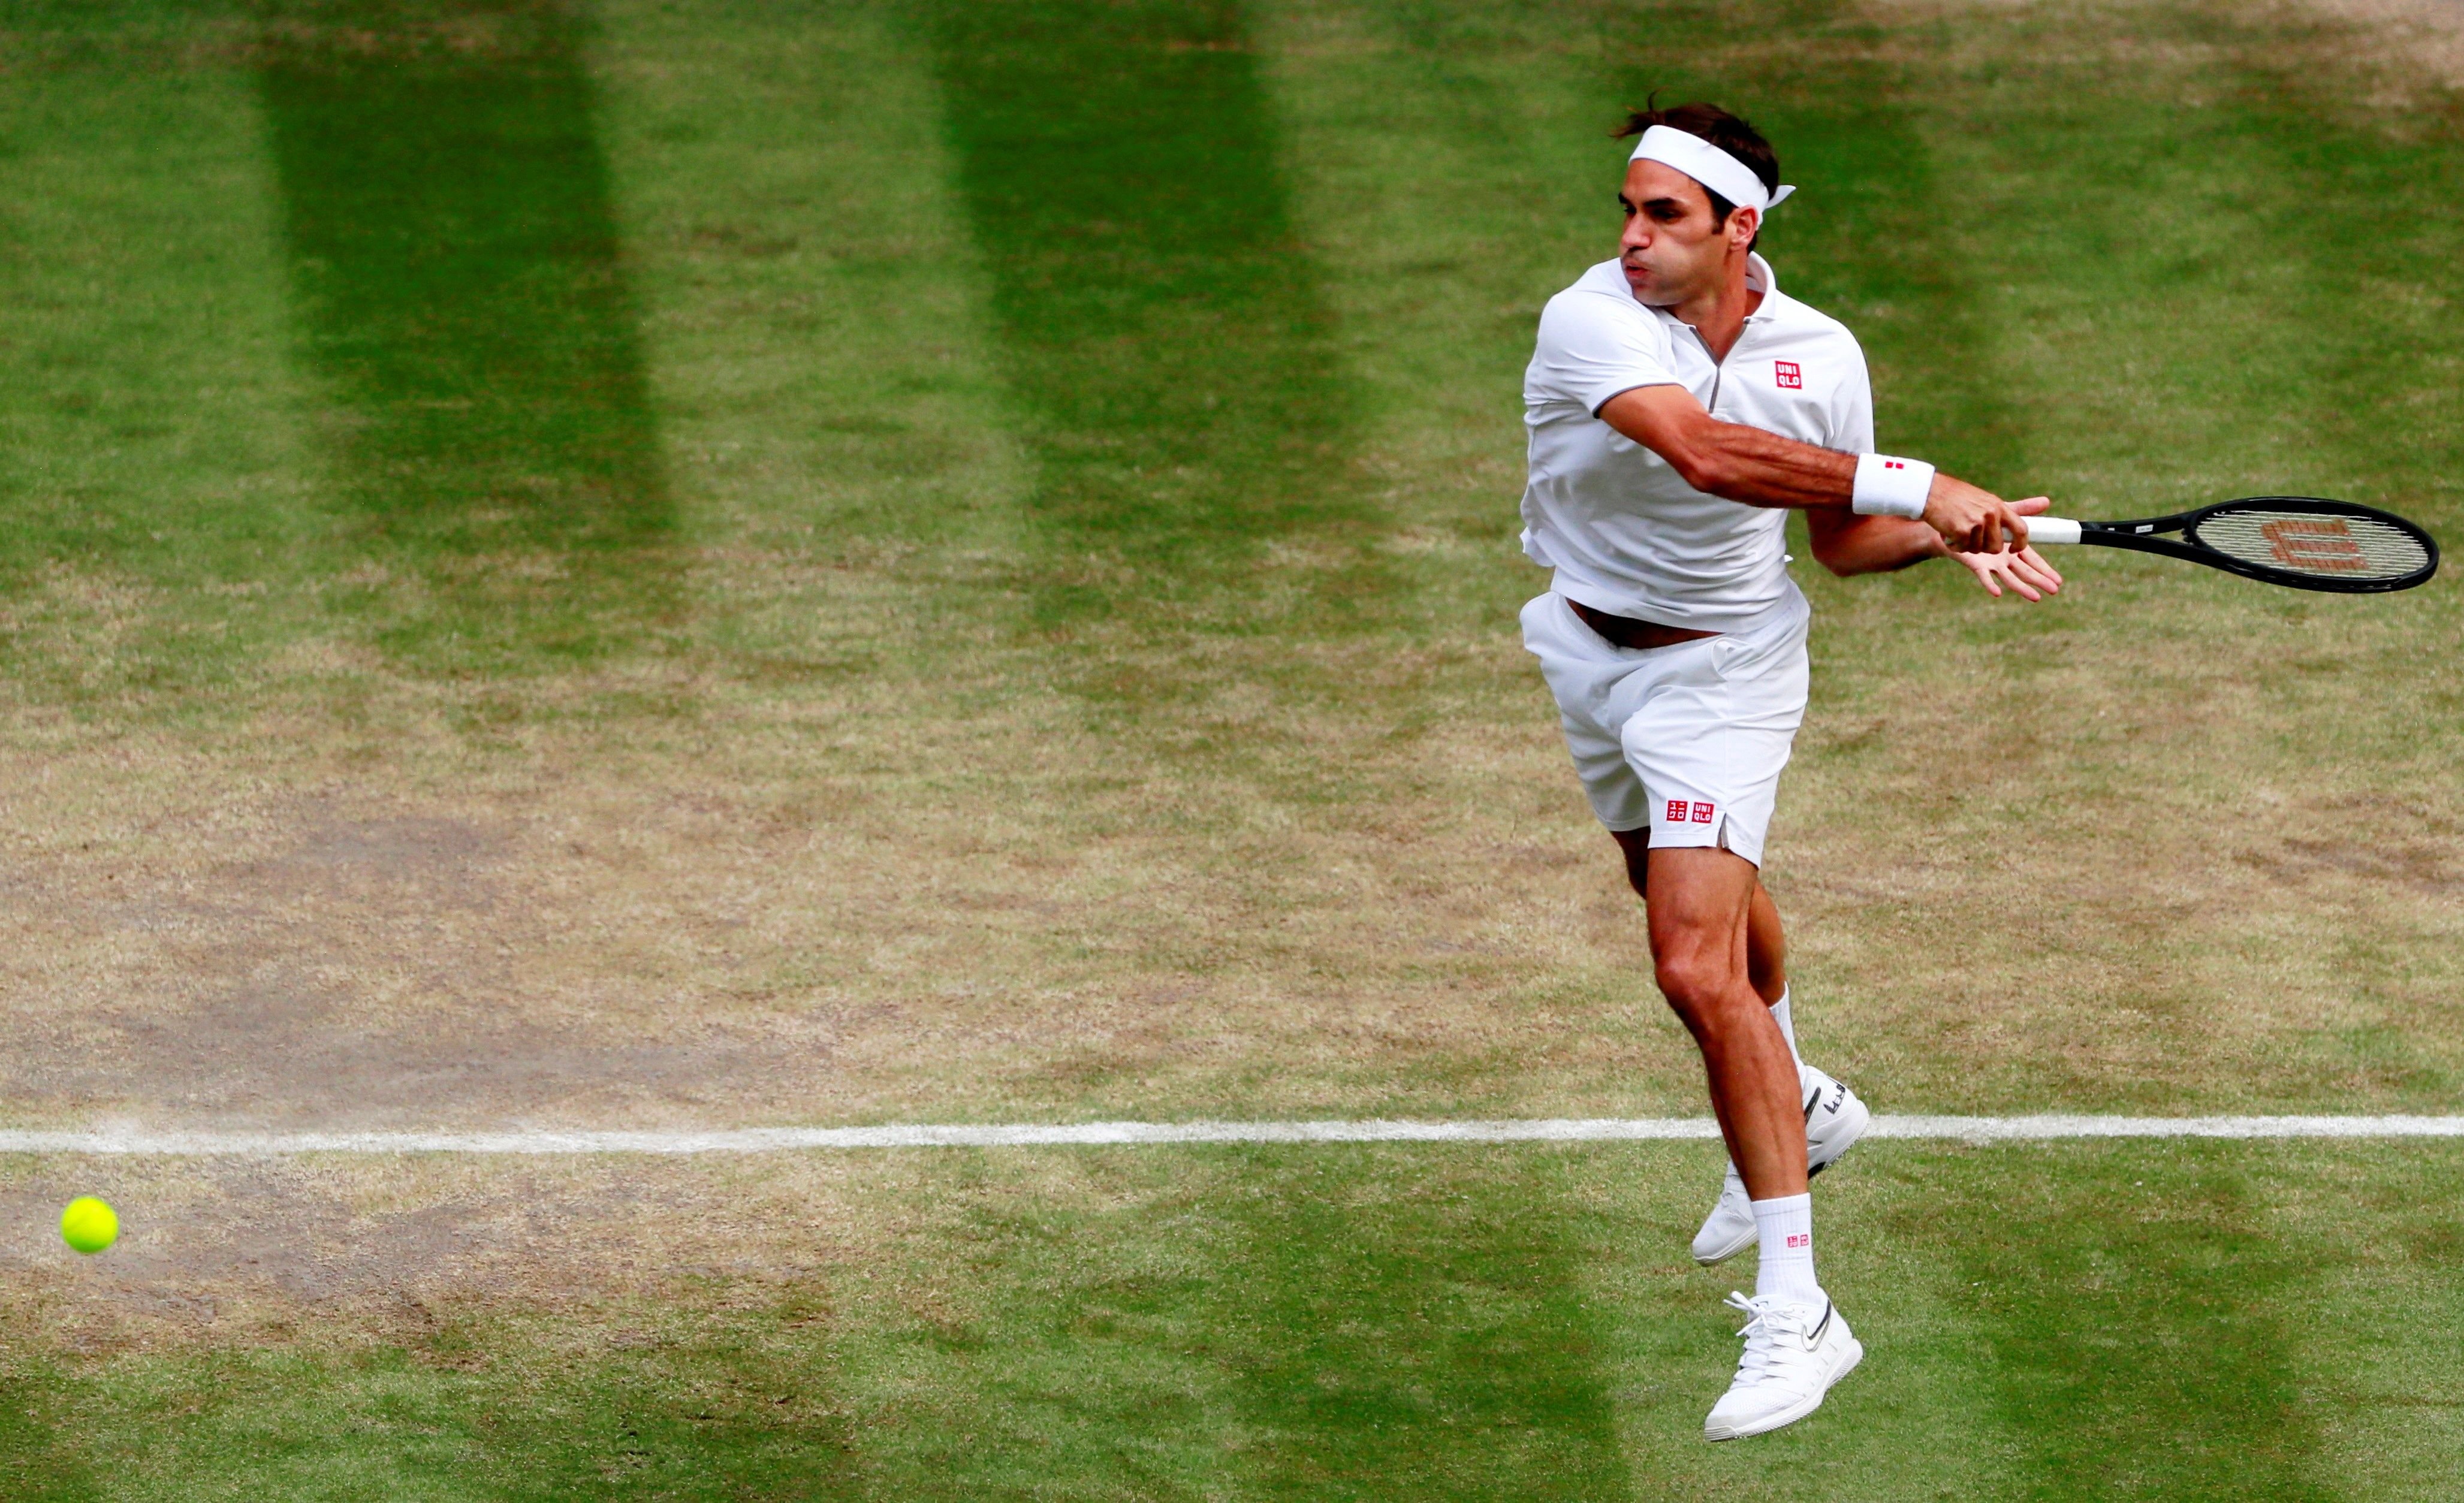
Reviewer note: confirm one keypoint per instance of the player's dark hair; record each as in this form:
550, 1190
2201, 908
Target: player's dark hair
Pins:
1730, 133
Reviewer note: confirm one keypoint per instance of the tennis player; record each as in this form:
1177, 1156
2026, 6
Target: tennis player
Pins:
1680, 404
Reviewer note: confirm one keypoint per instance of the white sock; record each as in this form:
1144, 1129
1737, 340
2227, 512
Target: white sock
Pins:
1787, 1268
1779, 1015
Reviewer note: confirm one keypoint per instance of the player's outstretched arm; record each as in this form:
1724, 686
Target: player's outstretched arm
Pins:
1760, 469
1847, 544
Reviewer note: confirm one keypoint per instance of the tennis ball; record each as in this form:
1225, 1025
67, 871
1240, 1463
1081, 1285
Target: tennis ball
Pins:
89, 1225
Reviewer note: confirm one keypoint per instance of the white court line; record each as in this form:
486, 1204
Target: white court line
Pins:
134, 1140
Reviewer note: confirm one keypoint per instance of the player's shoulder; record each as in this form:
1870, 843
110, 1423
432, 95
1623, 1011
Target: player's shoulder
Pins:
1601, 291
1598, 297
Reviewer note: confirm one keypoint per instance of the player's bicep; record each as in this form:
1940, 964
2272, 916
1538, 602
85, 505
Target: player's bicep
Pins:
1665, 419
1588, 351
1724, 459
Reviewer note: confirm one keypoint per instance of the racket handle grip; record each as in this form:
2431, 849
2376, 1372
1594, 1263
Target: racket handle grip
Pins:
2051, 530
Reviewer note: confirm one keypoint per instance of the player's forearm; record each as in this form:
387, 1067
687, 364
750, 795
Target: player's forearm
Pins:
1759, 468
1747, 465
1848, 545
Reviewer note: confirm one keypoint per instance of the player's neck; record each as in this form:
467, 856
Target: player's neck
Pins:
1720, 312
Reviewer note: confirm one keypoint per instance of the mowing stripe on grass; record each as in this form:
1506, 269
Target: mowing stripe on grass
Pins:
1007, 1135
464, 294
1161, 321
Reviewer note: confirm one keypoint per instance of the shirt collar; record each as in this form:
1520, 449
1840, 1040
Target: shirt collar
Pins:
1759, 276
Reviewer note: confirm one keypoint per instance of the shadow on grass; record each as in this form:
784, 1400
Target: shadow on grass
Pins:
40, 1461
1161, 327
1420, 1335
719, 1413
709, 1410
1251, 1324
2140, 1320
456, 257
1389, 1323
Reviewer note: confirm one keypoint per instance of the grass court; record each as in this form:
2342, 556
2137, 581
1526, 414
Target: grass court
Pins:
679, 563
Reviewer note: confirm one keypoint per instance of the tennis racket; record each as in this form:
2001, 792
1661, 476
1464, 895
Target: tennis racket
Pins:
2301, 542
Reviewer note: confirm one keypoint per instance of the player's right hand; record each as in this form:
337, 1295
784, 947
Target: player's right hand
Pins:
1972, 521
2022, 570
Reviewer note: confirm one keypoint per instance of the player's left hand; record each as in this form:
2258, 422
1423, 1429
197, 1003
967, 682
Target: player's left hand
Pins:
2024, 570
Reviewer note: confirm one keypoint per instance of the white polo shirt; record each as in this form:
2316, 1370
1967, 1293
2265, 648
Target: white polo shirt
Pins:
1625, 532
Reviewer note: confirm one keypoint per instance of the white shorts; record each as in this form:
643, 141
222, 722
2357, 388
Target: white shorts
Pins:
1689, 739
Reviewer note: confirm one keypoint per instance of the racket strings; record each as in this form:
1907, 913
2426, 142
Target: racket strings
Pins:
2327, 545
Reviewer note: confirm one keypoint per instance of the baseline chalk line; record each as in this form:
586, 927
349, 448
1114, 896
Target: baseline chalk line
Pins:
206, 1143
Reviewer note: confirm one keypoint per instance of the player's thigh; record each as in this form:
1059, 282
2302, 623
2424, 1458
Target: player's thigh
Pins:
1766, 939
1700, 902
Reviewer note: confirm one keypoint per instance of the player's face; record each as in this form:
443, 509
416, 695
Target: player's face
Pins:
1672, 251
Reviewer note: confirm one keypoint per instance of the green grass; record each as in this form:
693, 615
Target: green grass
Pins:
1160, 317
462, 296
2134, 1321
895, 561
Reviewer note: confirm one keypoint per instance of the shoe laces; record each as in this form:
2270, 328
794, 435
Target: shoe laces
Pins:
1778, 1333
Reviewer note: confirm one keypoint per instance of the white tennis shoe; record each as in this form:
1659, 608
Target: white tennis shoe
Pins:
1834, 1121
1793, 1353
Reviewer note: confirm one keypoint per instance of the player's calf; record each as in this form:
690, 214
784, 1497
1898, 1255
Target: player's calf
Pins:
1751, 1072
1835, 1119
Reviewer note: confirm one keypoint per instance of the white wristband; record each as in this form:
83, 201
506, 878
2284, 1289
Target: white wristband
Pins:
1889, 486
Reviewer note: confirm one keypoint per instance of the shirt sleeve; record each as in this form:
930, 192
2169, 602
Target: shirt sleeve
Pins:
1851, 409
1590, 349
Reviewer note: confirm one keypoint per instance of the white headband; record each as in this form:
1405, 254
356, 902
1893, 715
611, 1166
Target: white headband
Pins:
1707, 164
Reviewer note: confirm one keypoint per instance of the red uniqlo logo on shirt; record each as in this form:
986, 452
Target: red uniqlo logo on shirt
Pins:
1702, 814
1789, 376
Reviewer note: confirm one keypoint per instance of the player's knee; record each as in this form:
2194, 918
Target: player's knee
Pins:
1697, 986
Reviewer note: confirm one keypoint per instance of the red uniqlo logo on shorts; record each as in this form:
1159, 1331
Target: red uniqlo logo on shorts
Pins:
1789, 376
1702, 814
1800, 1239
1677, 811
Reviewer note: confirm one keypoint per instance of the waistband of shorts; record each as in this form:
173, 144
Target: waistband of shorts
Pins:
1791, 610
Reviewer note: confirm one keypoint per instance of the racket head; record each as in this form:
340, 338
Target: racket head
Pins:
2311, 543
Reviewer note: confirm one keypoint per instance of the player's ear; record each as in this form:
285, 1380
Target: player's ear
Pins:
1744, 221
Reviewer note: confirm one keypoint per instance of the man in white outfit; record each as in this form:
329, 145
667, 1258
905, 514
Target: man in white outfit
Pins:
1679, 405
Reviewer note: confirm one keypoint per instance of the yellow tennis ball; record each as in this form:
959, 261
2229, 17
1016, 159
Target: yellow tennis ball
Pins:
89, 1225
